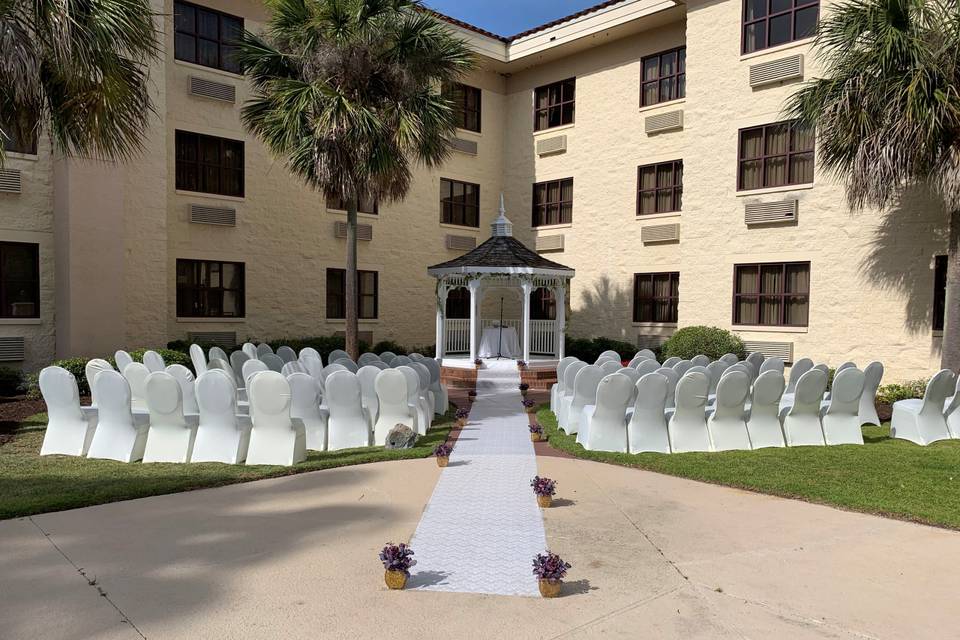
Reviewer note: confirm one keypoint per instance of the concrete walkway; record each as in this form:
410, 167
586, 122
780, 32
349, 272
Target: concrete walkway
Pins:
653, 557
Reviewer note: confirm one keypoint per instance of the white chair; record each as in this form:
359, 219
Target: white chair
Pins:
763, 423
348, 425
584, 393
801, 421
715, 371
314, 367
872, 374
367, 375
846, 365
726, 425
286, 354
237, 360
565, 394
122, 359
672, 379
700, 360
400, 361
436, 385
922, 421
647, 429
634, 376
198, 358
840, 420
388, 356
637, 360
223, 365
682, 367
822, 367
327, 371
698, 369
609, 353
310, 352
688, 424
415, 400
670, 362
558, 385
392, 394
119, 435
606, 425
222, 435
336, 354
951, 412
275, 437
136, 375
425, 392
647, 366
771, 364
263, 349
729, 358
252, 367
756, 359
187, 388
248, 348
153, 361
383, 365
610, 366
218, 354
93, 368
367, 358
273, 362
305, 406
347, 364
293, 367
646, 353
69, 431
171, 435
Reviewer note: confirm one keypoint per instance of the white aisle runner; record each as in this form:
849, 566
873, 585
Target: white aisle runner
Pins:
482, 526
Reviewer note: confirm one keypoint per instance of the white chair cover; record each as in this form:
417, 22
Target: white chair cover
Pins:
700, 360
952, 412
646, 353
293, 367
801, 422
822, 367
400, 361
367, 358
771, 364
383, 365
647, 430
273, 362
218, 353
222, 435
672, 379
872, 374
565, 394
198, 358
314, 367
637, 360
558, 385
119, 436
649, 365
122, 358
136, 375
425, 392
237, 360
187, 388
349, 424
699, 369
584, 393
414, 399
305, 405
263, 349
609, 353
763, 424
327, 371
610, 366
286, 354
756, 359
392, 393
436, 385
250, 367
347, 364
275, 438
153, 361
729, 358
388, 356
670, 362
715, 372
310, 352
688, 425
368, 391
634, 376
336, 354
682, 367
922, 421
69, 431
171, 435
841, 423
250, 349
606, 425
727, 426
94, 367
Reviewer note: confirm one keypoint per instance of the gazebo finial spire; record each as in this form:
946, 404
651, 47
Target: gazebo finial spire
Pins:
501, 226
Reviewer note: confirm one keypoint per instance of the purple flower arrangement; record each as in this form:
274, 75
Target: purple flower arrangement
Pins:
537, 428
472, 394
550, 566
462, 414
521, 364
524, 386
529, 405
397, 557
478, 362
543, 486
443, 450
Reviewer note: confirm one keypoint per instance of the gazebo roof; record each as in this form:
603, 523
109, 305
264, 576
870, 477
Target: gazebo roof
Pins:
501, 254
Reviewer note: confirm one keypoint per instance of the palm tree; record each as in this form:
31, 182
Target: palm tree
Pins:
888, 113
347, 92
78, 68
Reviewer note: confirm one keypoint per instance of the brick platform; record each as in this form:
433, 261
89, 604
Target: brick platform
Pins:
538, 377
459, 377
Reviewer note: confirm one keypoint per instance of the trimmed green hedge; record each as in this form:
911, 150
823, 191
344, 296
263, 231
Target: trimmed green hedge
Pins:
890, 393
712, 342
589, 349
11, 381
77, 366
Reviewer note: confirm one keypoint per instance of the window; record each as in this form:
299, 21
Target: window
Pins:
939, 292
458, 303
776, 294
660, 187
27, 146
367, 294
554, 104
775, 155
206, 37
209, 164
553, 202
210, 289
768, 23
19, 280
656, 297
459, 203
466, 103
543, 306
664, 77
365, 206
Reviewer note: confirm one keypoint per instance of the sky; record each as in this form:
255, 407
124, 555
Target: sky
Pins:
507, 17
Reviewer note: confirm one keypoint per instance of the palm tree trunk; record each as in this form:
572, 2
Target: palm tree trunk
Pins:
950, 358
352, 342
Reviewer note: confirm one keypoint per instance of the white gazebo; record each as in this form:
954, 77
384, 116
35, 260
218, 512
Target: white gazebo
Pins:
500, 262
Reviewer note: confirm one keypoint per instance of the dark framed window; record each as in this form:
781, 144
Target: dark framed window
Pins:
210, 289
543, 306
19, 280
366, 206
208, 164
664, 77
206, 37
27, 146
553, 202
367, 294
768, 23
459, 203
772, 294
467, 103
554, 104
660, 187
775, 155
656, 297
939, 292
458, 303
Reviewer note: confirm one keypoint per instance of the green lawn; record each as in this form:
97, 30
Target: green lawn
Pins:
31, 484
888, 477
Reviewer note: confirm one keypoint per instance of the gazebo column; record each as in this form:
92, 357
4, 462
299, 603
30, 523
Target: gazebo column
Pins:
560, 299
527, 288
441, 337
474, 317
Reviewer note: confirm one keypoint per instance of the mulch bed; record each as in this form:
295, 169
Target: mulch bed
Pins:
13, 411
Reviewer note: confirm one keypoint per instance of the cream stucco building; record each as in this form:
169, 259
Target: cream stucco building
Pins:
631, 142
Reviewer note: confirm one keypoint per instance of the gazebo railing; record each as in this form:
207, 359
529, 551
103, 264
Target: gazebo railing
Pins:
542, 334
457, 334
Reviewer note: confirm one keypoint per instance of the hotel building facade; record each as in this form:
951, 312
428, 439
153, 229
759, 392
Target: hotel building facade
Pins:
641, 142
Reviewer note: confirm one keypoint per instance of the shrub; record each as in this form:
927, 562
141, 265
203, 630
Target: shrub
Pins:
10, 381
170, 356
323, 344
589, 349
388, 345
76, 367
712, 342
890, 393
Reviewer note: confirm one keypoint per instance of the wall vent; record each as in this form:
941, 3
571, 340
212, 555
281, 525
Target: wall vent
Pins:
9, 181
780, 70
214, 90
220, 216
650, 340
782, 350
664, 122
223, 339
556, 144
465, 146
364, 231
461, 243
12, 349
770, 212
550, 243
660, 233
